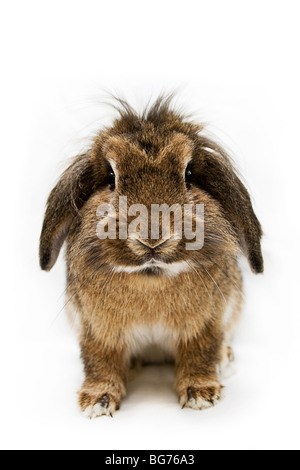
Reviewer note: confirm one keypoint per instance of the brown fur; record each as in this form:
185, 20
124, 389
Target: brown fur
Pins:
151, 153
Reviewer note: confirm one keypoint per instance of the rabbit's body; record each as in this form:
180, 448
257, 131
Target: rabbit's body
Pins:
158, 313
146, 299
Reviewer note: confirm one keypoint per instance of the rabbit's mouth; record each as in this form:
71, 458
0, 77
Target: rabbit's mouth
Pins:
154, 267
153, 271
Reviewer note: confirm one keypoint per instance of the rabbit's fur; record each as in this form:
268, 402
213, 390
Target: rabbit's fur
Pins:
186, 308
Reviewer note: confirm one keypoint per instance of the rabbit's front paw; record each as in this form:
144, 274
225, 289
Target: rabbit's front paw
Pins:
94, 404
201, 398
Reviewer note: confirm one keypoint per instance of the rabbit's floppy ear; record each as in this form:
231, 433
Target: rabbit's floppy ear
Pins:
214, 173
74, 188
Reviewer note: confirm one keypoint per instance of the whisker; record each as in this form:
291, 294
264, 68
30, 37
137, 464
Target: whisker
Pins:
212, 278
198, 274
225, 273
217, 285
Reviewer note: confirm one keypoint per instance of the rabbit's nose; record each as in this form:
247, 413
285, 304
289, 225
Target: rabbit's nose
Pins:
153, 244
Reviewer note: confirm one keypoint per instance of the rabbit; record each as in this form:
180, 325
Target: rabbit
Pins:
152, 300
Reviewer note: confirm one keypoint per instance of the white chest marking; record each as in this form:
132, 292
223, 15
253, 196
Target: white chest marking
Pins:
170, 270
151, 343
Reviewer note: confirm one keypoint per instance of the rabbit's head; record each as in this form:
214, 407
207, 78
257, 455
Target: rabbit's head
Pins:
164, 164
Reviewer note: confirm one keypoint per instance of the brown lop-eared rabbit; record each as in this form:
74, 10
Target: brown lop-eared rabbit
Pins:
151, 300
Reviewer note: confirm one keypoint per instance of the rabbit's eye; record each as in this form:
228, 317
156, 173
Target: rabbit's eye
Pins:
189, 174
111, 178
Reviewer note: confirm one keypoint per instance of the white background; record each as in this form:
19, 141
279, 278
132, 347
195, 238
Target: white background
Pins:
237, 67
